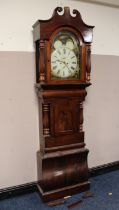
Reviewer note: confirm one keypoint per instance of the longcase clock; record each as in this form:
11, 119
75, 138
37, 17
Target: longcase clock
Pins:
62, 74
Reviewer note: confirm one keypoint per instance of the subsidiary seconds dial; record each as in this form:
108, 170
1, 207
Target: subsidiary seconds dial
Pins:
63, 60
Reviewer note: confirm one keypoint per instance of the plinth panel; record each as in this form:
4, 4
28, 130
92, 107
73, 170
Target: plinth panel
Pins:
63, 169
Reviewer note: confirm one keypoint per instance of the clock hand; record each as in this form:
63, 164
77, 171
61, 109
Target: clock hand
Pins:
60, 61
67, 66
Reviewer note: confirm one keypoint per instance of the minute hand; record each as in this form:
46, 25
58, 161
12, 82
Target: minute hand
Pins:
67, 66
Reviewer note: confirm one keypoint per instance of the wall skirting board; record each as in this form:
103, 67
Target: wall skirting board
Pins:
105, 168
32, 187
18, 190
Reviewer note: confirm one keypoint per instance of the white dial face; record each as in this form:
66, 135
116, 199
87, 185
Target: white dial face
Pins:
65, 57
63, 62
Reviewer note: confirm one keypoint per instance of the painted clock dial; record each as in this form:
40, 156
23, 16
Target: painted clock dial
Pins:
65, 62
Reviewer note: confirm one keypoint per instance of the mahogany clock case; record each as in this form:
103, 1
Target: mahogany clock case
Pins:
44, 34
62, 158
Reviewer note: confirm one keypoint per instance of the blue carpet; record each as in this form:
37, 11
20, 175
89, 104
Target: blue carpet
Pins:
101, 186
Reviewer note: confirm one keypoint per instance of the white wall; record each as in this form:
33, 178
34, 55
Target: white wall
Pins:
101, 111
18, 119
17, 18
19, 138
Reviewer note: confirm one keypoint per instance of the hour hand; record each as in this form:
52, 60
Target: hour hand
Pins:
60, 61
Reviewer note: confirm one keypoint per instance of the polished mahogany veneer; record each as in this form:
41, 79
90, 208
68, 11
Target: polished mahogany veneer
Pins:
62, 158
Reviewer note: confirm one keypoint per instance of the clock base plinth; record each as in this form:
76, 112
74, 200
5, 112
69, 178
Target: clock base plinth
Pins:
62, 192
62, 173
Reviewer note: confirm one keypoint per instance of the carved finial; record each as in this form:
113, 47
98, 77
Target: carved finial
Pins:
76, 13
66, 10
57, 10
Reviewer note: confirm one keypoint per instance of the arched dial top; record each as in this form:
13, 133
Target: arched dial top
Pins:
65, 56
60, 18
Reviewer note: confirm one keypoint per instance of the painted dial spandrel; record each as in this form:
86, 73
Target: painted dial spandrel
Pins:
65, 53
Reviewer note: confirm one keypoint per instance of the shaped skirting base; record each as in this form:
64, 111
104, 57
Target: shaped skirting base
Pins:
62, 192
